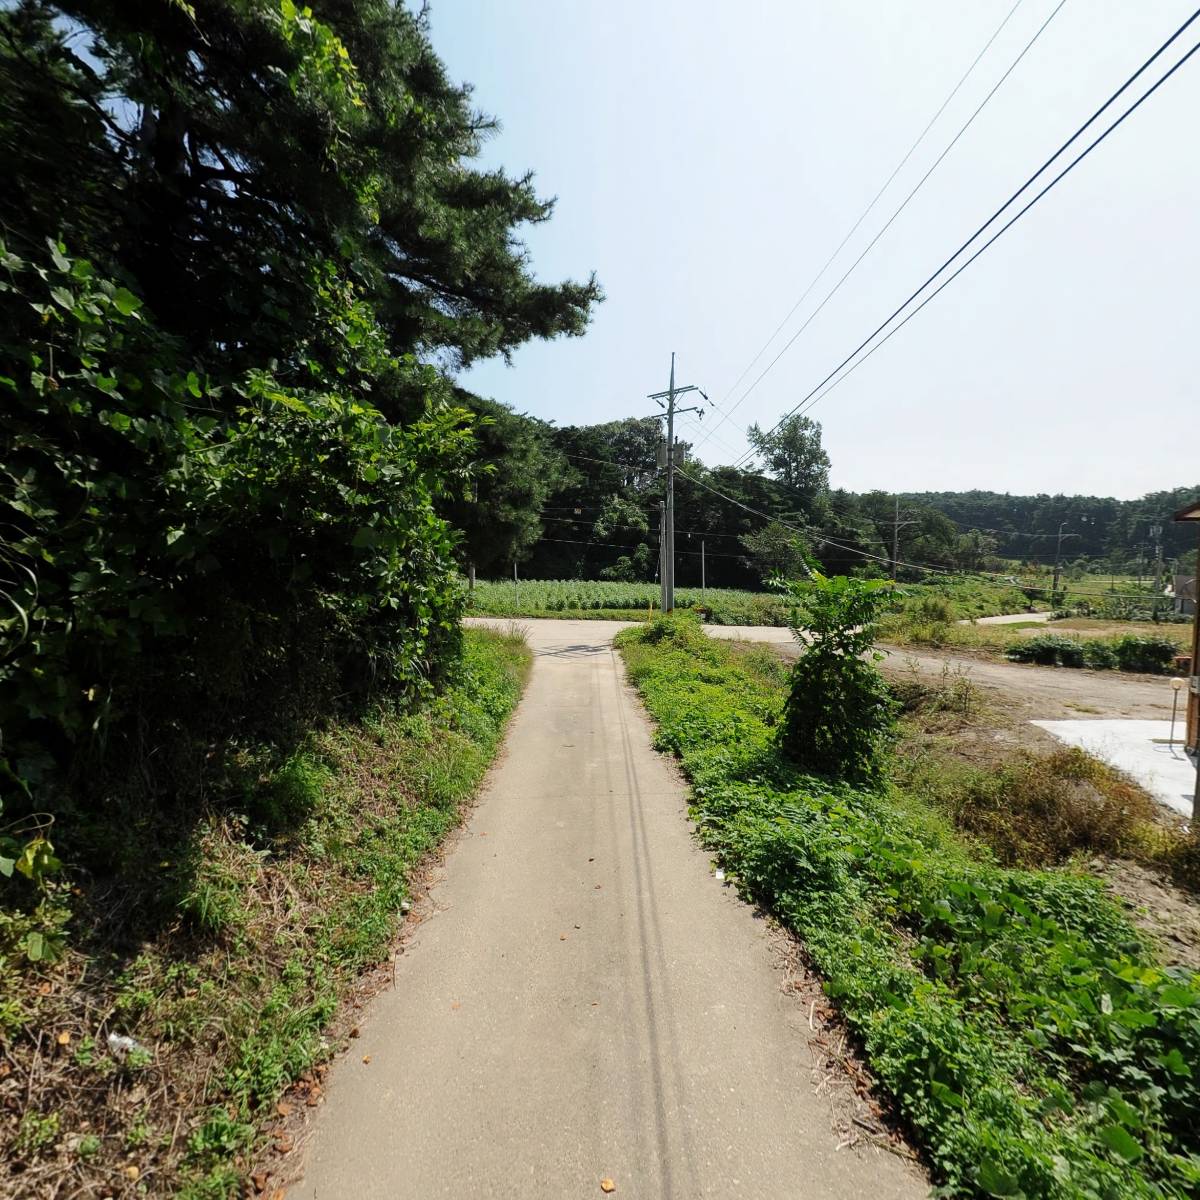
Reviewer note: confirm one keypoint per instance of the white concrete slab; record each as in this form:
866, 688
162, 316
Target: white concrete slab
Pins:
1139, 748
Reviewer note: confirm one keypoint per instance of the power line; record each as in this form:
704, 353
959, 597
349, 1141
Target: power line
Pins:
1004, 229
988, 576
809, 401
903, 205
616, 546
707, 533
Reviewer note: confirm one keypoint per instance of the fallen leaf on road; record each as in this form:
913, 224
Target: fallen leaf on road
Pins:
607, 1185
283, 1108
354, 1031
283, 1144
64, 1038
562, 937
131, 1172
456, 1005
260, 1181
366, 1058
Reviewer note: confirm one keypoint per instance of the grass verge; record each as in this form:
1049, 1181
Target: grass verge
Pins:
1019, 1022
1096, 645
227, 1003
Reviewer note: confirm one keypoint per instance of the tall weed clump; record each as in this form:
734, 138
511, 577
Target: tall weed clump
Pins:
839, 711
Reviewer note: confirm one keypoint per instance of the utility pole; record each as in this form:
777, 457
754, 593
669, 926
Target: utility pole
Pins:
703, 582
1057, 557
668, 456
1156, 534
897, 524
662, 544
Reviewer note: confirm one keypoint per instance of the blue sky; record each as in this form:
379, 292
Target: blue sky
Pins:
707, 159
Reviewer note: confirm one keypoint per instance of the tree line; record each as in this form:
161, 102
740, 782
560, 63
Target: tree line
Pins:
243, 249
583, 502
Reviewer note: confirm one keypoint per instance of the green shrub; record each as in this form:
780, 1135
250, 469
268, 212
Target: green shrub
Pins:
927, 608
839, 711
183, 563
1048, 649
1099, 655
1151, 655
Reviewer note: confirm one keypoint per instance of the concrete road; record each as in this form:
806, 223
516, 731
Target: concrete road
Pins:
587, 1001
1009, 619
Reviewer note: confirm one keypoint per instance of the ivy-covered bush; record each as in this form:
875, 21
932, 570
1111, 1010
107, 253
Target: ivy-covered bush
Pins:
182, 563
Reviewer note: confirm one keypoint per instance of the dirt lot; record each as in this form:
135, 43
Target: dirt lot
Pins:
1046, 693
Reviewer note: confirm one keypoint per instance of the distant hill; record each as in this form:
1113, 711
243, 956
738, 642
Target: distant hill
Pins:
1026, 527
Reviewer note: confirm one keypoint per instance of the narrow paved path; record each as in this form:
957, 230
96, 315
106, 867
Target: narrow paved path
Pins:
1009, 619
588, 1001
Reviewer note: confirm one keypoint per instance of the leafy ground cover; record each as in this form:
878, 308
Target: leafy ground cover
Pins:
604, 599
1022, 1026
264, 920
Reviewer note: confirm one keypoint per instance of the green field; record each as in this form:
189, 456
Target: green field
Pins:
586, 598
624, 601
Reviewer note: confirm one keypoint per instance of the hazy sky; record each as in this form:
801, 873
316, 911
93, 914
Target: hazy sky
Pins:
707, 159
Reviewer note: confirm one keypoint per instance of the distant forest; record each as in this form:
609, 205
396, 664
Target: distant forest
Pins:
582, 502
1096, 527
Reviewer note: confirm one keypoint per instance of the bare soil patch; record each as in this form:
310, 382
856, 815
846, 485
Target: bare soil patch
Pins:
1043, 693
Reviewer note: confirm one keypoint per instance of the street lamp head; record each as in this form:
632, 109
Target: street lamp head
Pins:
1176, 683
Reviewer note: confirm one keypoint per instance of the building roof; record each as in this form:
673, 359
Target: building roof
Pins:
1189, 512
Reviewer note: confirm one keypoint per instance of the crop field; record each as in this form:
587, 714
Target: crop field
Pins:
628, 601
718, 606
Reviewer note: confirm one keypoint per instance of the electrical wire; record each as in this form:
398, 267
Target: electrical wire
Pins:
813, 398
837, 544
805, 406
615, 546
890, 221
